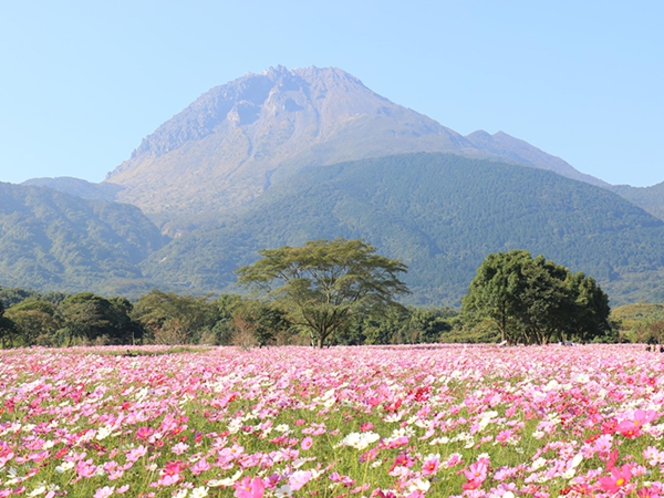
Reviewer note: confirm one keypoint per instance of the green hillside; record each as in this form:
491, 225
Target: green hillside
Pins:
650, 199
442, 214
53, 241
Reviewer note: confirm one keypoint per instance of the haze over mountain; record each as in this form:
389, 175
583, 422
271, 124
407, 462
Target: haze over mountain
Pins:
238, 139
77, 187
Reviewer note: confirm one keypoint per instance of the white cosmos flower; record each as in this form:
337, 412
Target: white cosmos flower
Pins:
227, 482
358, 440
199, 492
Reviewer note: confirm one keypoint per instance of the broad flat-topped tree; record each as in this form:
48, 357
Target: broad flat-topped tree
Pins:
321, 283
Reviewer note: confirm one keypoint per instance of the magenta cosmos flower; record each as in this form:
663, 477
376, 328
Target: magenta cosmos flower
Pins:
619, 477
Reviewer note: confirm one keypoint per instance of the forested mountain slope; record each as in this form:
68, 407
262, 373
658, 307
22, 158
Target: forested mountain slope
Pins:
650, 199
442, 214
54, 241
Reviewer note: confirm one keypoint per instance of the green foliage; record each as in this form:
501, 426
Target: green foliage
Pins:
224, 329
175, 319
533, 300
7, 328
262, 321
651, 199
91, 319
36, 322
396, 324
641, 322
322, 283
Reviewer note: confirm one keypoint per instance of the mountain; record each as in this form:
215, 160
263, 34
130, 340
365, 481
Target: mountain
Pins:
442, 214
77, 187
286, 156
237, 140
506, 147
53, 241
650, 199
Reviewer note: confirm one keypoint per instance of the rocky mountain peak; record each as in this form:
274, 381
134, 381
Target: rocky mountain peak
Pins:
227, 147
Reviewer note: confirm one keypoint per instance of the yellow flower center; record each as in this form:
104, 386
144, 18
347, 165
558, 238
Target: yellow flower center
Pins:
620, 482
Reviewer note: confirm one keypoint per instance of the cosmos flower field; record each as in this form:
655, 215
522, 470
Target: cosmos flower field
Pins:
476, 421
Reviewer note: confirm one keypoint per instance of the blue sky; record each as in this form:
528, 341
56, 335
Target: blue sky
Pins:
83, 82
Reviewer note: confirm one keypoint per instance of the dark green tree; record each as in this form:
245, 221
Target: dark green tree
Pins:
427, 325
7, 329
533, 300
174, 319
321, 284
92, 318
36, 322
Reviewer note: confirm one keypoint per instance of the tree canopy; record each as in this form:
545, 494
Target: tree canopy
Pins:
322, 283
534, 300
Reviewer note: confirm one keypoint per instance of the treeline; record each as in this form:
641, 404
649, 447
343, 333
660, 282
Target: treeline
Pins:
28, 318
514, 298
641, 322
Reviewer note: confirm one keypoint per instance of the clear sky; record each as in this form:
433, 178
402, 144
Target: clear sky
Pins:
82, 82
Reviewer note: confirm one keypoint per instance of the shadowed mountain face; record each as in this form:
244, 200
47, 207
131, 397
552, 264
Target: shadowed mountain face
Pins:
237, 140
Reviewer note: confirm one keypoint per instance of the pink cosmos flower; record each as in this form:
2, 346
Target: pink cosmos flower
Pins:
472, 484
618, 479
104, 492
298, 479
476, 471
629, 428
430, 466
136, 453
250, 488
170, 475
144, 432
200, 466
603, 443
180, 448
86, 468
454, 459
307, 443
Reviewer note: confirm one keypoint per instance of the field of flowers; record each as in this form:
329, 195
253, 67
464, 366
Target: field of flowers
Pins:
476, 421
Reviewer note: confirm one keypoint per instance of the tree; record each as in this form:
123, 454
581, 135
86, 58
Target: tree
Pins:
174, 319
36, 322
262, 321
94, 318
533, 300
321, 284
428, 324
7, 329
